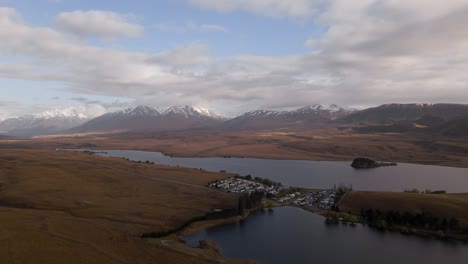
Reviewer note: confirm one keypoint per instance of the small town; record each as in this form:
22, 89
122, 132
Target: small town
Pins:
243, 184
322, 199
278, 194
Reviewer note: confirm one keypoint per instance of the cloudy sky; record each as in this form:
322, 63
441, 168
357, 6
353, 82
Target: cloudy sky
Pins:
230, 56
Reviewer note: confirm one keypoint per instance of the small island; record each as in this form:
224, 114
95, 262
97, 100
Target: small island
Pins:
365, 163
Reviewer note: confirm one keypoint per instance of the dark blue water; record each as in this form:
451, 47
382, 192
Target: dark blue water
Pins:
292, 235
321, 174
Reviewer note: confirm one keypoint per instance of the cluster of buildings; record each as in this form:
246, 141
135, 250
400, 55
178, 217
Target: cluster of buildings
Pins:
321, 199
289, 197
239, 185
327, 202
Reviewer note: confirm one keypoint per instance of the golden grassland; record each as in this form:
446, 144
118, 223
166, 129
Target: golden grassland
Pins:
439, 205
67, 207
328, 143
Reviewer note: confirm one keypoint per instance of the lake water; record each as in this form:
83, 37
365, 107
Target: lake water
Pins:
292, 235
321, 174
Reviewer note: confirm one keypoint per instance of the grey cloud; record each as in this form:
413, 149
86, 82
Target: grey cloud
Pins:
367, 57
186, 56
7, 103
423, 37
80, 99
111, 105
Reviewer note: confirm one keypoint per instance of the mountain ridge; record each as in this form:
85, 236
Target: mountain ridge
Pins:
47, 122
303, 117
147, 118
395, 113
400, 117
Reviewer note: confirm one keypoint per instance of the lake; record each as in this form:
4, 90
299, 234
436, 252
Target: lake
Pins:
292, 235
320, 174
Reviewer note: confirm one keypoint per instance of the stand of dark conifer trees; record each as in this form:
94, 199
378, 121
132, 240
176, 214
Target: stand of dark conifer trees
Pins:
426, 221
249, 201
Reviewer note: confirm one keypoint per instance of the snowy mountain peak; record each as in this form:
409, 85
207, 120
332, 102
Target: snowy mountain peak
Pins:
59, 113
47, 122
262, 113
330, 108
146, 110
138, 111
147, 118
206, 112
187, 111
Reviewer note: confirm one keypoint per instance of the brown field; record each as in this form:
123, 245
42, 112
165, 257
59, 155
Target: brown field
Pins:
328, 143
440, 205
66, 207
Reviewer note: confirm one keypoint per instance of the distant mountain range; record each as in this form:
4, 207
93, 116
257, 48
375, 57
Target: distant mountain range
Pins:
301, 118
447, 119
48, 122
426, 114
146, 118
444, 119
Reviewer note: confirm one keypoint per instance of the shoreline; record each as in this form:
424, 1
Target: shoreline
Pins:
207, 224
439, 163
212, 251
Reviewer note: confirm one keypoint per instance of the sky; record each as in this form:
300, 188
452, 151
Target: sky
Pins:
230, 56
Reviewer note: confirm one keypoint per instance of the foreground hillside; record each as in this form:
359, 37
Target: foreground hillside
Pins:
64, 207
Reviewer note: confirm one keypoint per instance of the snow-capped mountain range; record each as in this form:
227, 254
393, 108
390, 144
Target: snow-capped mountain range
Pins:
188, 111
153, 119
47, 122
147, 118
174, 111
302, 117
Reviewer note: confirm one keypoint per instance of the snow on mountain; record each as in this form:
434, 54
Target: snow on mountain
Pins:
189, 111
263, 113
327, 111
59, 113
147, 118
302, 117
333, 108
51, 121
139, 111
174, 111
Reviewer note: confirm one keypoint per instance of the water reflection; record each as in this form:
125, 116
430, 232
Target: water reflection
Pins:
292, 235
321, 174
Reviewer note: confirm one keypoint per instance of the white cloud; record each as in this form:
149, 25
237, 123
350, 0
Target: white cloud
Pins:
185, 56
374, 51
189, 26
275, 8
103, 24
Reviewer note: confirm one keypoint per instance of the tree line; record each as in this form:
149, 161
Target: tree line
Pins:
249, 201
426, 221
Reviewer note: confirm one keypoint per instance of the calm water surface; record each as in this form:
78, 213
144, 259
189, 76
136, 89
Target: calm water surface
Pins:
292, 235
321, 174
